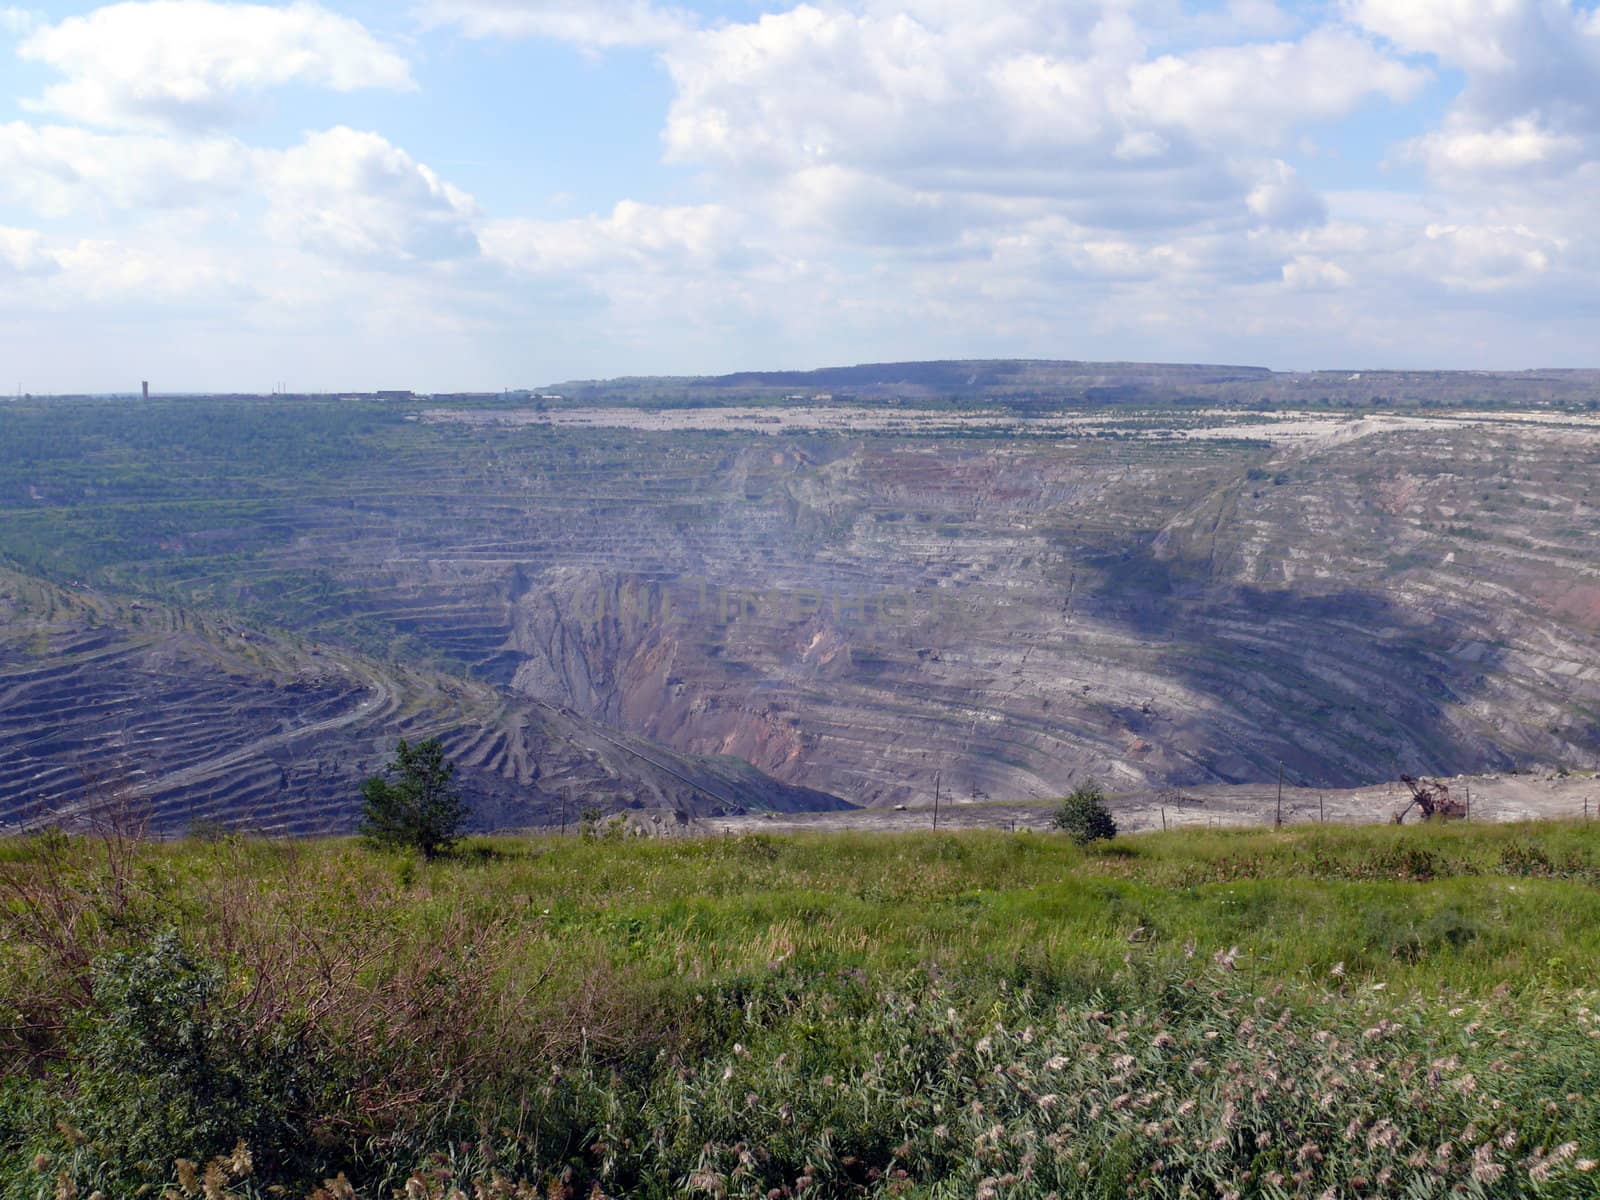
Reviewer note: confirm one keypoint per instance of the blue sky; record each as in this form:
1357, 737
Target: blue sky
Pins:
448, 194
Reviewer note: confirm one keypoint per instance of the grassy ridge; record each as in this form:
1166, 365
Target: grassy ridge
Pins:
809, 1016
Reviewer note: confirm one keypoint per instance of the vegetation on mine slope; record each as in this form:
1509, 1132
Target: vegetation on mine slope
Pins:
1321, 1012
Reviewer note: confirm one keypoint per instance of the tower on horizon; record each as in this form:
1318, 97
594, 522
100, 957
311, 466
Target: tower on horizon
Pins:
146, 389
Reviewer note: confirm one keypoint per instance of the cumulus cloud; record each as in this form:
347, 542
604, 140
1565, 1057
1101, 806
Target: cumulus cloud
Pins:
58, 170
592, 24
1483, 258
864, 177
1282, 199
940, 102
194, 63
1532, 98
632, 236
1464, 148
353, 195
22, 253
1307, 274
1260, 92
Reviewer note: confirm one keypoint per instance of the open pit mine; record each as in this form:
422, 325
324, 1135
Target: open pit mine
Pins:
765, 597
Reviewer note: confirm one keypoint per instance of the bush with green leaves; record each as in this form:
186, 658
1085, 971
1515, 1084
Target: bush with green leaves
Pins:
162, 1069
1084, 815
415, 804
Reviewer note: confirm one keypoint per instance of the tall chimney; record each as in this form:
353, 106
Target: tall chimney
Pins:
147, 389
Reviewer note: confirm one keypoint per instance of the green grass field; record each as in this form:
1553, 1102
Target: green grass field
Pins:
1319, 1012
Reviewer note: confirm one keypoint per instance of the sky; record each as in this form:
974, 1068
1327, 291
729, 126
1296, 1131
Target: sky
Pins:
483, 194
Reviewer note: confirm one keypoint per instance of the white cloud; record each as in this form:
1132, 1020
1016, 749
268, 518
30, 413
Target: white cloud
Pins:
1480, 258
1532, 99
1467, 33
193, 63
353, 195
1260, 92
102, 270
22, 253
15, 21
58, 170
1307, 274
1283, 199
632, 237
868, 178
1519, 145
942, 102
593, 24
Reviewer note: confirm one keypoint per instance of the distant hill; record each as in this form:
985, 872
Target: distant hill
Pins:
1035, 382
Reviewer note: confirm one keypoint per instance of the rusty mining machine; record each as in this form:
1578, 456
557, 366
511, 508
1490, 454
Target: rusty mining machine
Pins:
1432, 800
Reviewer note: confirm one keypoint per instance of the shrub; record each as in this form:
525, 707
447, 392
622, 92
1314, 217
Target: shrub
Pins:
1084, 815
162, 1069
421, 809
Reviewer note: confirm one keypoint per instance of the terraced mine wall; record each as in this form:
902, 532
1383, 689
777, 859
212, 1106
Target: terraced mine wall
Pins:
137, 713
1154, 600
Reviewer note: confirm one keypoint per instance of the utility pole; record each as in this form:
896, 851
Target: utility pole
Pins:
1277, 821
1322, 815
936, 801
1468, 785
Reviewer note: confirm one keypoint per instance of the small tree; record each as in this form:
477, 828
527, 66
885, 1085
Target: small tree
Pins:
414, 803
1084, 815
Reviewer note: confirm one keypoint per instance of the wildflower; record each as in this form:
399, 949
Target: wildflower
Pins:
1586, 1165
1384, 1134
1484, 1168
1055, 1062
214, 1183
1337, 971
707, 1181
1048, 1102
188, 1177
